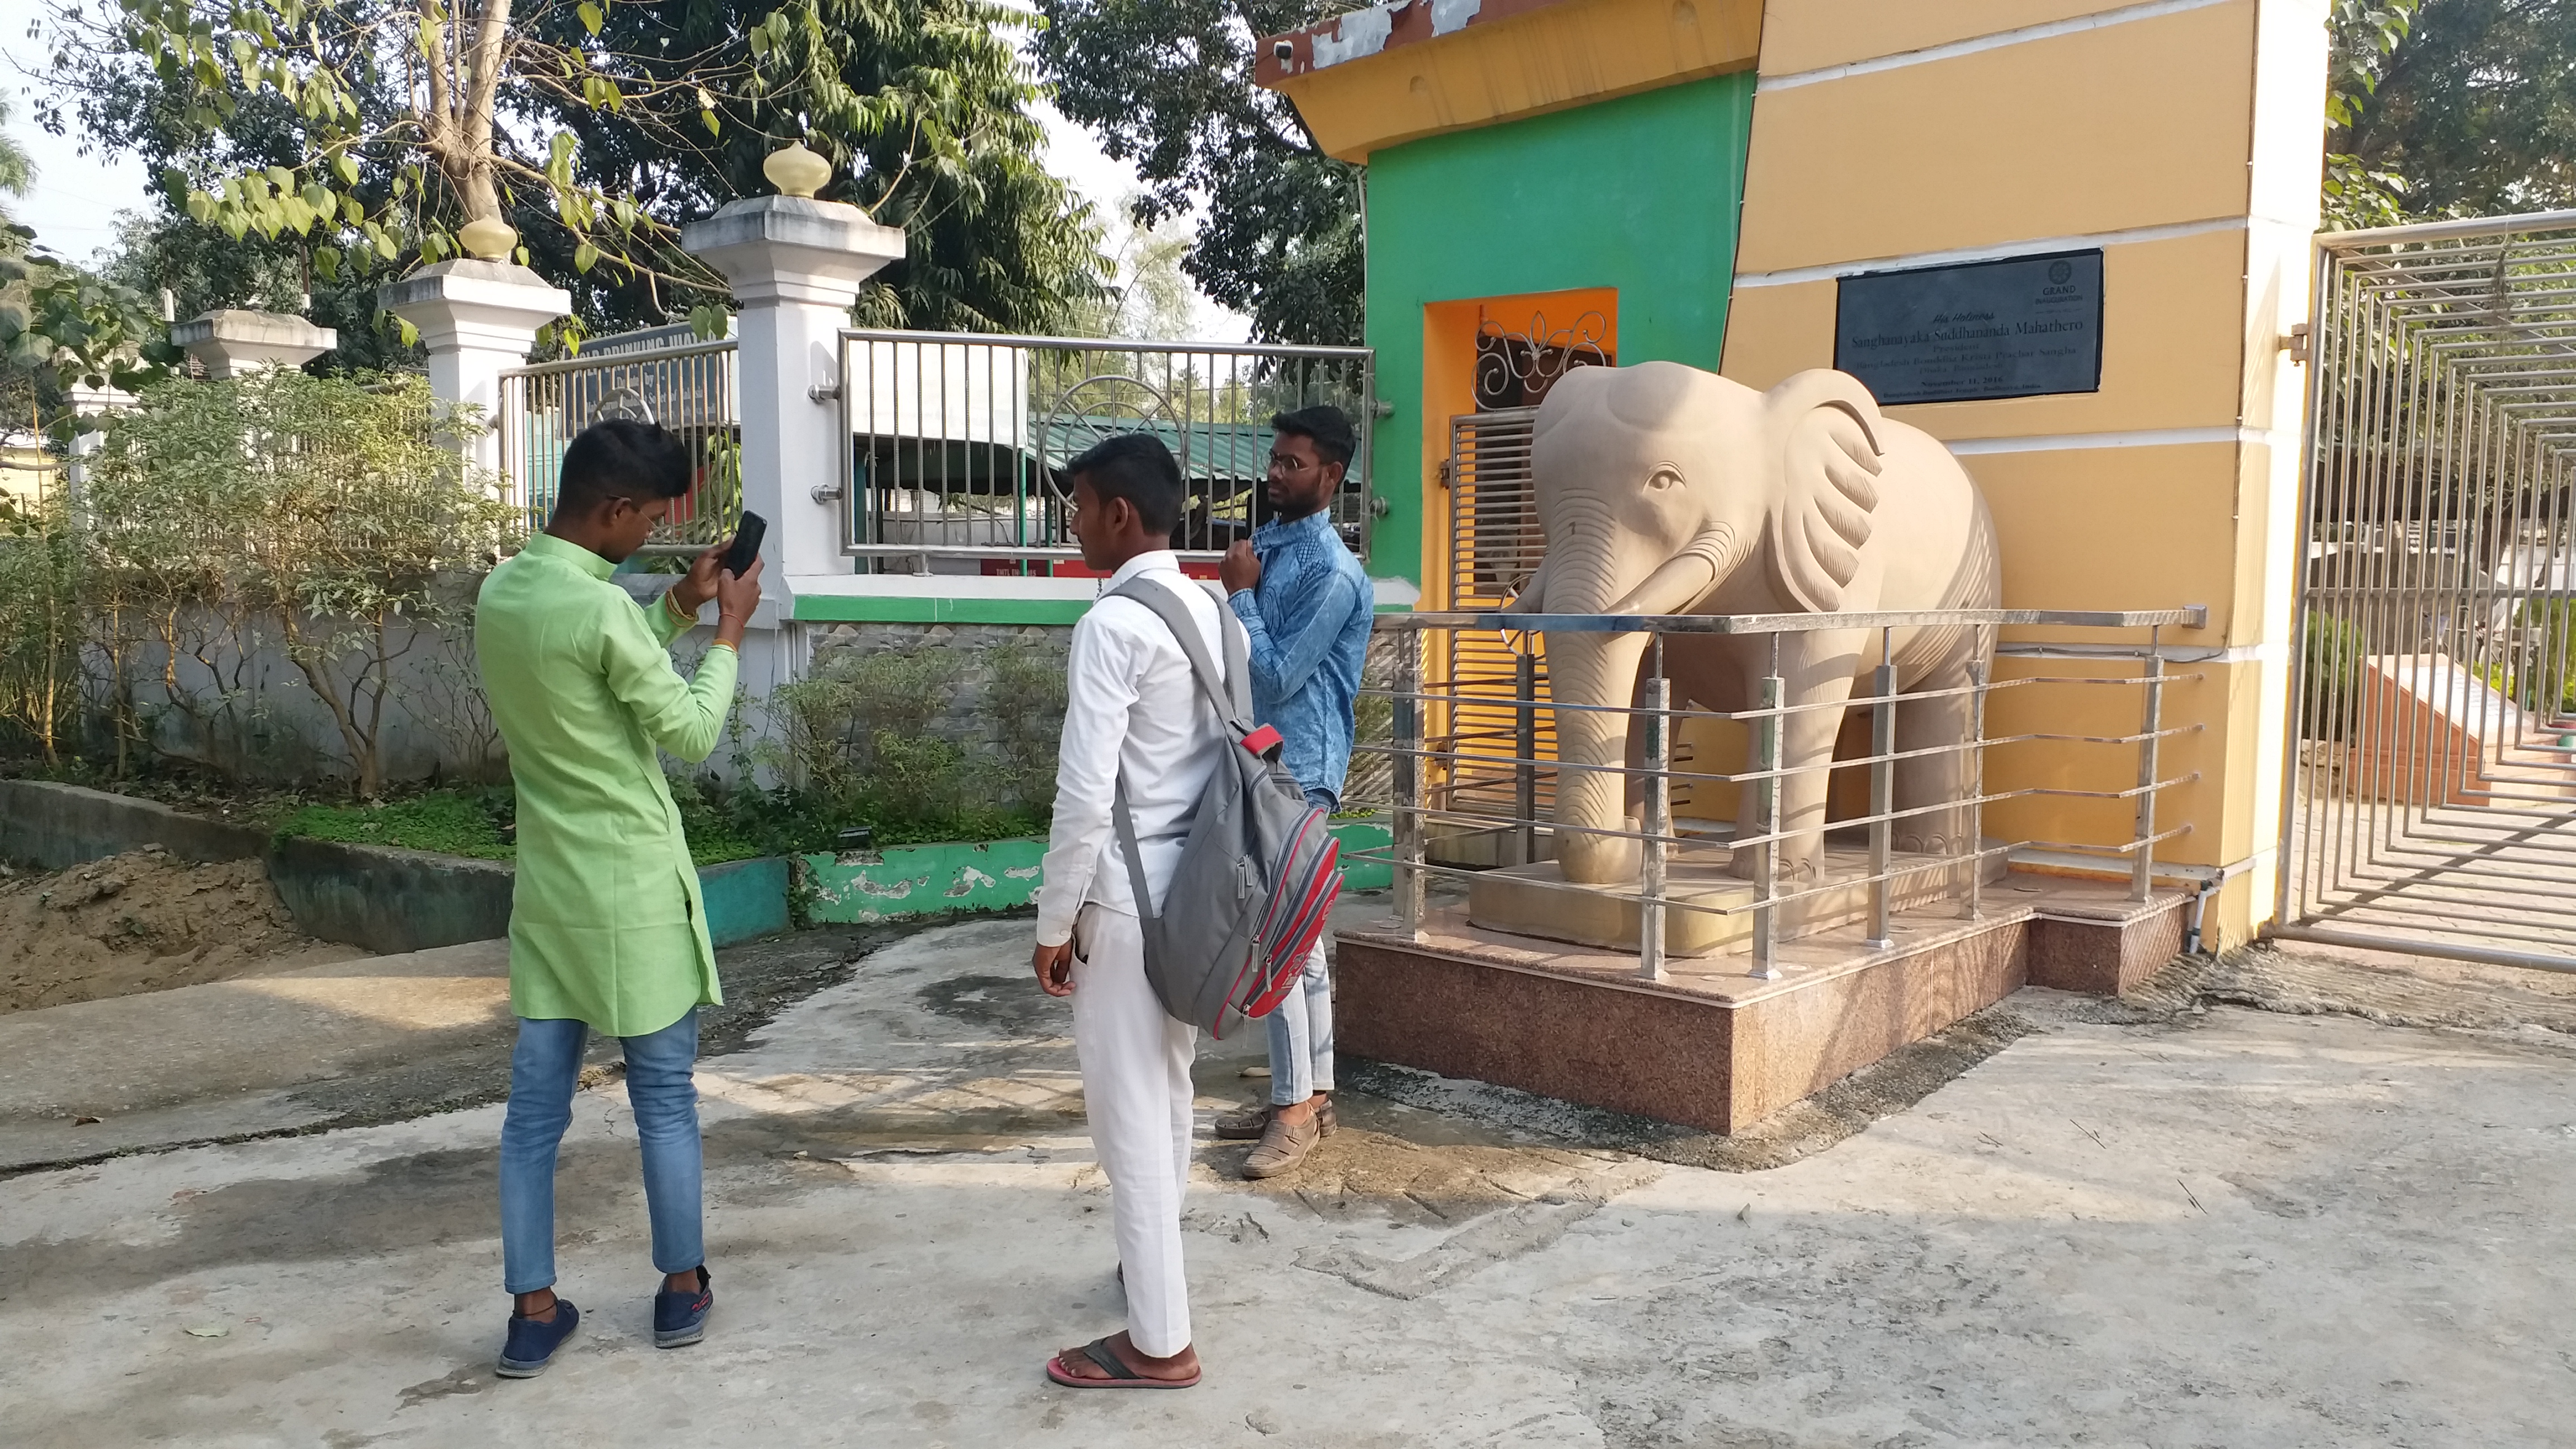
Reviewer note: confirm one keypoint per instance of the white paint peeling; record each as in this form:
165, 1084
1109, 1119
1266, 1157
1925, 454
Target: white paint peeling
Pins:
1449, 15
1360, 33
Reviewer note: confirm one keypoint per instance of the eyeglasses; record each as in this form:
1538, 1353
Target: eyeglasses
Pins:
1289, 463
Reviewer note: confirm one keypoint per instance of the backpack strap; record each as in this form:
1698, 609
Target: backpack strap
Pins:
1175, 615
1231, 699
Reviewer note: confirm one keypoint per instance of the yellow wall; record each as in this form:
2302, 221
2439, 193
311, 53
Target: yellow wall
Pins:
2184, 142
1569, 53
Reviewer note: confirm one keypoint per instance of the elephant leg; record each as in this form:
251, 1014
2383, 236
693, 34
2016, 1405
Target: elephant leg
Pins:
1816, 672
1935, 784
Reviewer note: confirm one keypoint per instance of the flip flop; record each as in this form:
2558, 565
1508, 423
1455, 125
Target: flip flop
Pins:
1120, 1375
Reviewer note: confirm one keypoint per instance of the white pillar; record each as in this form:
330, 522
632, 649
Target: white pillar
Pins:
231, 342
796, 265
477, 318
89, 402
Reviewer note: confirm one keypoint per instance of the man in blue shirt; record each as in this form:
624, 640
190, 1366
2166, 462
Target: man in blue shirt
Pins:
1305, 602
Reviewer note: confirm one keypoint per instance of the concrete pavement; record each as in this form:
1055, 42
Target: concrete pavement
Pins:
2223, 1227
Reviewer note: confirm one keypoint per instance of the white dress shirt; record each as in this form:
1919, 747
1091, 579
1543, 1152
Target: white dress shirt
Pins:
1132, 710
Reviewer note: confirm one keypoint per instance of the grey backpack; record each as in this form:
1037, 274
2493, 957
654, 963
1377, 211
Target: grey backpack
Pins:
1259, 870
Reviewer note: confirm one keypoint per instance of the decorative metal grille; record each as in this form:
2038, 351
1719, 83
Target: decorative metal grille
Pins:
2431, 799
1516, 369
655, 376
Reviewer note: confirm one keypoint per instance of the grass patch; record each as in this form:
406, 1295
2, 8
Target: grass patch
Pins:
721, 825
445, 822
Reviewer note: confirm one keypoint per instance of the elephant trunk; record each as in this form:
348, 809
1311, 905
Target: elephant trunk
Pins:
1585, 575
1599, 670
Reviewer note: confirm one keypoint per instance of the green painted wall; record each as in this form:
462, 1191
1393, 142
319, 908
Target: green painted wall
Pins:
1000, 875
1640, 193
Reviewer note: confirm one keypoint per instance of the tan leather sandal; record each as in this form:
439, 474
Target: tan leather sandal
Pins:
1248, 1124
1284, 1144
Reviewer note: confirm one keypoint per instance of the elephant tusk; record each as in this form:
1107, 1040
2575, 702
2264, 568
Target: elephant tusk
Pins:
1683, 579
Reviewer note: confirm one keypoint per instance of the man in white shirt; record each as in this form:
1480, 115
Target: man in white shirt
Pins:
1134, 718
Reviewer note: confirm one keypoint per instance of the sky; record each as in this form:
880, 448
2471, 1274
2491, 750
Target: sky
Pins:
76, 197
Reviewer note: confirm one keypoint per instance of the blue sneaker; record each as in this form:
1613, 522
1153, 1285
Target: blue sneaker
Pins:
680, 1319
532, 1344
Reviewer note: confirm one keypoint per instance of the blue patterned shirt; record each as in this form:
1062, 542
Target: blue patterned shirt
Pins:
1309, 620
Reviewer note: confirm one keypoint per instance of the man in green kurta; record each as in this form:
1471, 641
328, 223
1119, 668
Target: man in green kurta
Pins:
607, 932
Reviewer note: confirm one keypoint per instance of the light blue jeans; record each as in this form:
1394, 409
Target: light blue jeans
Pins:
662, 1088
1301, 1030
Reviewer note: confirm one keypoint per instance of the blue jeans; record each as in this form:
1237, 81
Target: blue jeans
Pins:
660, 1086
1301, 1030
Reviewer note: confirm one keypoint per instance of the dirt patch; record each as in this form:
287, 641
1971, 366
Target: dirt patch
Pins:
146, 921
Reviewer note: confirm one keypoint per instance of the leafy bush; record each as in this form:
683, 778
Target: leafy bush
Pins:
2330, 697
40, 628
2541, 673
326, 516
861, 744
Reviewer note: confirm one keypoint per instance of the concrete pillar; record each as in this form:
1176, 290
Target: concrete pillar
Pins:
89, 402
478, 318
796, 264
230, 342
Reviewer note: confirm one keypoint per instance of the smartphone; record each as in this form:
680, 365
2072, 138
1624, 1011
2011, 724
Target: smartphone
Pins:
746, 544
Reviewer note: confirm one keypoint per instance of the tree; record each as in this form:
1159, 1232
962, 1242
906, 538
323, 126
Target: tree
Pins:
1147, 297
922, 106
60, 324
371, 132
2474, 107
1166, 85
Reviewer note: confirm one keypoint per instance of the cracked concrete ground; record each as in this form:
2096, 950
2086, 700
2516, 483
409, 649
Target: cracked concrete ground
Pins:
2165, 1223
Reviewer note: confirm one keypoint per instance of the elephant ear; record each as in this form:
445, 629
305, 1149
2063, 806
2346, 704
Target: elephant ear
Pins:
1824, 437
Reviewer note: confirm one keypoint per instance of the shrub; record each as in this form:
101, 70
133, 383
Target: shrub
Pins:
862, 742
40, 627
2330, 696
325, 515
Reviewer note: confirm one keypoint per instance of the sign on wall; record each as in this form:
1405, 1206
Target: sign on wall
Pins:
2018, 327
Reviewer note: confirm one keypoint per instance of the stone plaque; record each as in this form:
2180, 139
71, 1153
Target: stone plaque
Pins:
2012, 328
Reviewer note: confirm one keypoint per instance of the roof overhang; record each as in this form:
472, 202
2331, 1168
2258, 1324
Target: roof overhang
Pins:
1407, 69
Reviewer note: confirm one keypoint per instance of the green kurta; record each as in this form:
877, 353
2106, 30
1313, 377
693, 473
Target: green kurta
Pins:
605, 921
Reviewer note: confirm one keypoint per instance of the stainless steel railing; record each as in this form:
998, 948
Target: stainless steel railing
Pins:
689, 387
1431, 766
957, 444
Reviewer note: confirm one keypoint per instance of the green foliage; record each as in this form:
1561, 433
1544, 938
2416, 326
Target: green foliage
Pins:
1148, 298
2540, 672
2451, 108
357, 136
327, 515
448, 822
2330, 694
2361, 34
1166, 85
40, 628
863, 746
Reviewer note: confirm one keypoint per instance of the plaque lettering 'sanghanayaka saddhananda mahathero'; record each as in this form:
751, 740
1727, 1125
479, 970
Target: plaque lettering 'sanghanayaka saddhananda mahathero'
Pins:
2015, 327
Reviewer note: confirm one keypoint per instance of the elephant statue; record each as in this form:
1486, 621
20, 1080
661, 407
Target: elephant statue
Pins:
1663, 489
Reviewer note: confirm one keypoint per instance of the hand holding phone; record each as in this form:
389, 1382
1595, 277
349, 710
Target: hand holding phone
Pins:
747, 536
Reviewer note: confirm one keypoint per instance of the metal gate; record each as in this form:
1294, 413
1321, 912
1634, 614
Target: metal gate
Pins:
1488, 721
2431, 791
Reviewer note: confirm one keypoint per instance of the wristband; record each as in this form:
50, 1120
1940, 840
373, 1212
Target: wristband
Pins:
671, 601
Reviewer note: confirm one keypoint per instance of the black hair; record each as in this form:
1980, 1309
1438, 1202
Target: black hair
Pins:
1326, 425
1138, 468
622, 458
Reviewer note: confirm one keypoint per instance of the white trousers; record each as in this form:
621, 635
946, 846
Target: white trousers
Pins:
1136, 1089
